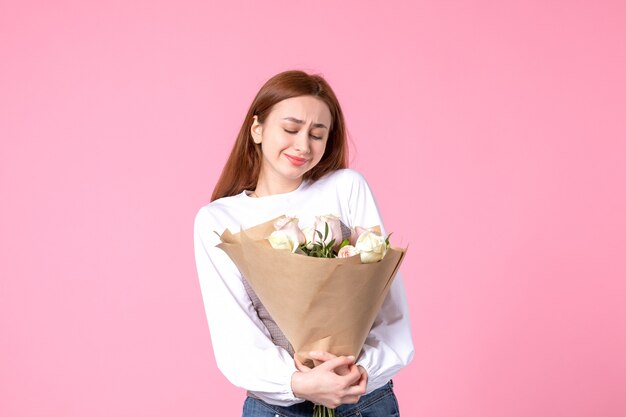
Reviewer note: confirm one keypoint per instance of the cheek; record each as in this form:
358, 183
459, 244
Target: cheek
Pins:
319, 147
274, 141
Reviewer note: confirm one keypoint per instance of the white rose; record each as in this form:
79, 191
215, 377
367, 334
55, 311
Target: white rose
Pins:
309, 236
347, 251
371, 246
283, 240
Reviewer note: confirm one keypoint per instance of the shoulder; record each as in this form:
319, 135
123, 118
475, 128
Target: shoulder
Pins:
214, 208
215, 216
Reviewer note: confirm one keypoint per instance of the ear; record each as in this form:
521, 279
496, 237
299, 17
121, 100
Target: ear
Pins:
256, 130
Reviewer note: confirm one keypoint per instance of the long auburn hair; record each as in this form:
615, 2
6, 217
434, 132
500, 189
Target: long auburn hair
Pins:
243, 166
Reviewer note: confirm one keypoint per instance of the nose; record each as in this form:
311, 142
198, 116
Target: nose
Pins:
301, 142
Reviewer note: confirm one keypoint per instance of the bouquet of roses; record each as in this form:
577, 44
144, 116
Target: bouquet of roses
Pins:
329, 238
323, 285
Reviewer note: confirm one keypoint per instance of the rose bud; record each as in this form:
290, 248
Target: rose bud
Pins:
347, 251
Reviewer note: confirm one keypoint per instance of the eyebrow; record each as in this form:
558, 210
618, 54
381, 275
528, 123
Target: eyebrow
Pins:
301, 122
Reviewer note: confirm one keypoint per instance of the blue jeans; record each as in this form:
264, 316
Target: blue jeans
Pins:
379, 403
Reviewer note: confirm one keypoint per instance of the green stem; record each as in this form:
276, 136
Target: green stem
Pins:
321, 411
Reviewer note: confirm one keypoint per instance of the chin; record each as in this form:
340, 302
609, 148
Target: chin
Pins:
296, 172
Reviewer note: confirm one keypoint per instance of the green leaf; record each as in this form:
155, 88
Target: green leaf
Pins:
387, 240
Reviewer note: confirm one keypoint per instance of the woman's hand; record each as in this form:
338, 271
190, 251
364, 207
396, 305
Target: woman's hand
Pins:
338, 380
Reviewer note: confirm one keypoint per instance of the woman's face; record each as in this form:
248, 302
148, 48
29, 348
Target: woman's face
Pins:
293, 139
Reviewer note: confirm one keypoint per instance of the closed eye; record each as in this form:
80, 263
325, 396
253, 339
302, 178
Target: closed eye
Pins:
294, 132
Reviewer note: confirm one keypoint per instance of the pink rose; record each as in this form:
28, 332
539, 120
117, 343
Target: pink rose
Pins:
347, 251
289, 226
334, 229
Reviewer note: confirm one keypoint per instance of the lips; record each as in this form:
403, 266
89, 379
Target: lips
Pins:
295, 160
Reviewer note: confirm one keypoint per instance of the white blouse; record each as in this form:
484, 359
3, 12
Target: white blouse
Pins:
243, 349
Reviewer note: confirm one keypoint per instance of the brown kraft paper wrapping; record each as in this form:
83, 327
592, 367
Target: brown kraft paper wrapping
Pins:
319, 304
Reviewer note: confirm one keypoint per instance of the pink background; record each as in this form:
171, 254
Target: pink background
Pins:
492, 134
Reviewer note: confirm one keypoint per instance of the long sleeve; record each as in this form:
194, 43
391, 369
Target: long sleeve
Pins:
242, 346
388, 347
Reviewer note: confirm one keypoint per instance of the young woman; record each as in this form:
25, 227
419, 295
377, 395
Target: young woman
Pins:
290, 157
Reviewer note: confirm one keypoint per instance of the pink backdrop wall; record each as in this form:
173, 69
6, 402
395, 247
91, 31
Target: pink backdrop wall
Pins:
492, 133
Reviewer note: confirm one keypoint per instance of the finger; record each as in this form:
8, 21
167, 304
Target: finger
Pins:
356, 390
358, 380
354, 376
364, 374
337, 362
363, 380
300, 366
344, 370
321, 356
350, 375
